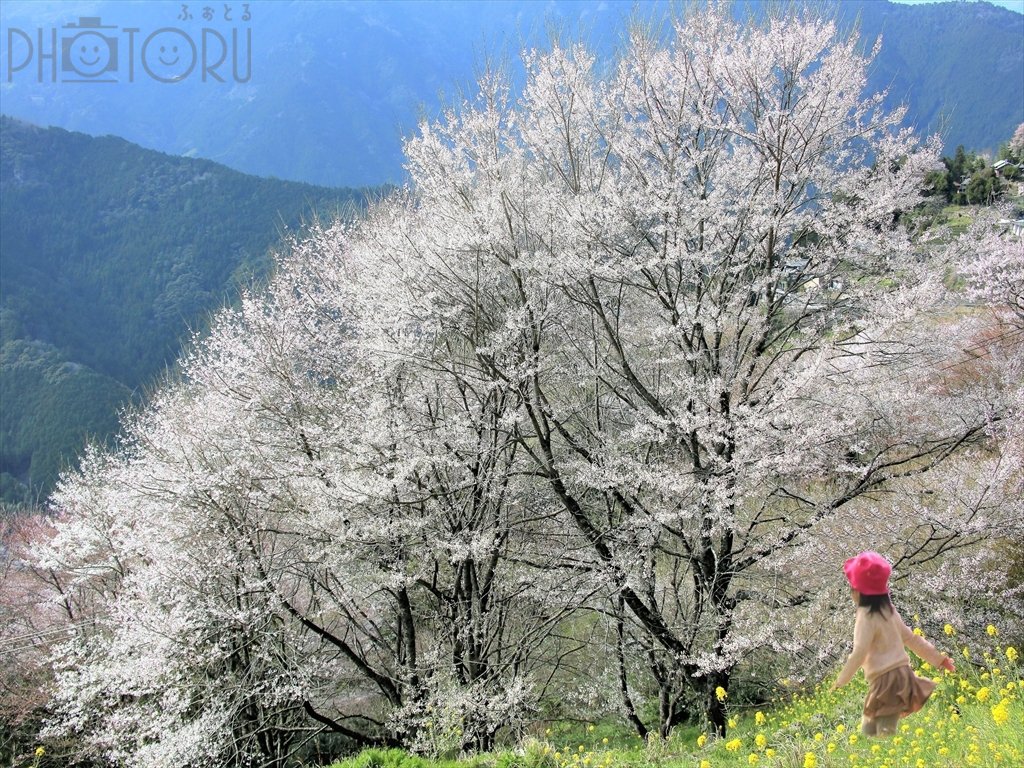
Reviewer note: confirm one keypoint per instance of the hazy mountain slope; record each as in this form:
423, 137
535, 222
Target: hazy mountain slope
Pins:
335, 86
50, 408
959, 66
109, 254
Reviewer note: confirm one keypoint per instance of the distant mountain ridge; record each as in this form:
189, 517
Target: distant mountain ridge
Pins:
335, 86
109, 255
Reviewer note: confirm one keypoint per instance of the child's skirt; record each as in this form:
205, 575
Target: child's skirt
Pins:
892, 695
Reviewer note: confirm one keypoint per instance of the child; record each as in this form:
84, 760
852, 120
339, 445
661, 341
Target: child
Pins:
879, 638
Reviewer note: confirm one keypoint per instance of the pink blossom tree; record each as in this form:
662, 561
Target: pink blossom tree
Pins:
690, 270
299, 535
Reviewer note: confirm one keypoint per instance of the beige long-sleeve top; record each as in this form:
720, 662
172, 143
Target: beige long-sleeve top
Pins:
879, 643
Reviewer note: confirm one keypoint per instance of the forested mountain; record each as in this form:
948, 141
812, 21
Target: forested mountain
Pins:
958, 66
360, 75
110, 253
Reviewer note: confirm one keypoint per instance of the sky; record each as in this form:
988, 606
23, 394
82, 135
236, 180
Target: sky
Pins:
1013, 5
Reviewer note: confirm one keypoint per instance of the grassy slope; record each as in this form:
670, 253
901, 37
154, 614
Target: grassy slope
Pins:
973, 719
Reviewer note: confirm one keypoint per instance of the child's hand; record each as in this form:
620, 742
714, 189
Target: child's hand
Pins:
947, 664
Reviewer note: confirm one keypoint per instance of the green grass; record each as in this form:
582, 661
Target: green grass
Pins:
958, 218
973, 719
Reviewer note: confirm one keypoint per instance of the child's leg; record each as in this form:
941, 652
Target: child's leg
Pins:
868, 726
886, 726
879, 726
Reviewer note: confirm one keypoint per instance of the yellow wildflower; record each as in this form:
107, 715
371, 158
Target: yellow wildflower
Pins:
810, 760
702, 740
761, 741
982, 694
752, 759
1011, 653
733, 745
759, 718
721, 694
1000, 712
948, 629
992, 631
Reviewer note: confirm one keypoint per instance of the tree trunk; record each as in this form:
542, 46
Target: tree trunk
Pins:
715, 706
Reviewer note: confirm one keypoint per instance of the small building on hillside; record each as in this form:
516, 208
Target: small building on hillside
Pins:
1003, 166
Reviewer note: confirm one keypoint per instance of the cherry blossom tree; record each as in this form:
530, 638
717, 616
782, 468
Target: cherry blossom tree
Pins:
1016, 143
30, 626
992, 263
300, 535
229, 636
692, 273
987, 485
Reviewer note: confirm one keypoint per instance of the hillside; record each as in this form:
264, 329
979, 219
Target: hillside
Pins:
958, 66
326, 76
110, 254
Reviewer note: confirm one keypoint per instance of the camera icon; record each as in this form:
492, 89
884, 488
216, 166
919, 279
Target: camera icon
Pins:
86, 51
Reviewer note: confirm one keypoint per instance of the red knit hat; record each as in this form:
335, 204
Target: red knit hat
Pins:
868, 573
